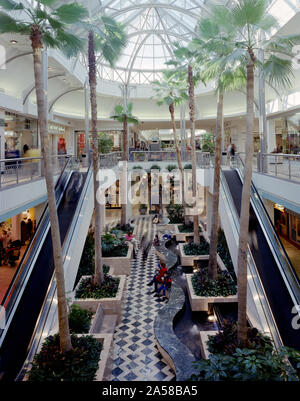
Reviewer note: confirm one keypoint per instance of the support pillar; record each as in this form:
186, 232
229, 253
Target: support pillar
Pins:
87, 123
271, 135
2, 134
262, 112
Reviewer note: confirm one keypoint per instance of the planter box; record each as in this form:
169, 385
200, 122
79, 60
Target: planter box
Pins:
105, 363
109, 305
200, 304
187, 260
181, 237
119, 265
203, 340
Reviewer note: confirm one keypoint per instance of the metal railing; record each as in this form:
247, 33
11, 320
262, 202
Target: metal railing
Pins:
202, 158
22, 170
261, 301
108, 160
279, 165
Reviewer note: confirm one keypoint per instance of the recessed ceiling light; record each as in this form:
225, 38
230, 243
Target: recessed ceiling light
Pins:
13, 41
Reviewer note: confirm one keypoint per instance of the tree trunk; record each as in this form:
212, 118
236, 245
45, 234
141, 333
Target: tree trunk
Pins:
193, 143
213, 264
244, 217
125, 159
63, 321
98, 276
171, 109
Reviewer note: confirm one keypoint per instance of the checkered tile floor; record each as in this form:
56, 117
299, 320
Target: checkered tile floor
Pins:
136, 357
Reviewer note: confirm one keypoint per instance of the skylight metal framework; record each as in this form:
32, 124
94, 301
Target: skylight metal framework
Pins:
152, 27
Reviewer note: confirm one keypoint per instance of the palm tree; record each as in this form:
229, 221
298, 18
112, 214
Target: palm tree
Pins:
124, 115
187, 68
227, 76
105, 36
244, 22
171, 92
47, 27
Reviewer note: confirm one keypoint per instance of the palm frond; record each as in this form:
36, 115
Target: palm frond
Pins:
249, 12
71, 13
8, 24
278, 71
10, 5
70, 44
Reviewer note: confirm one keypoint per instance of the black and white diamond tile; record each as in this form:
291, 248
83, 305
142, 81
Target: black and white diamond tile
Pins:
136, 357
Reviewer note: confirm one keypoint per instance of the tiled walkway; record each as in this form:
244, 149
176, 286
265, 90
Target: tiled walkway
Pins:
136, 357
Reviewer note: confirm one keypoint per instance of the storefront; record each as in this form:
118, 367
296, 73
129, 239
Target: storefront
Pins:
80, 142
20, 135
287, 132
60, 139
287, 224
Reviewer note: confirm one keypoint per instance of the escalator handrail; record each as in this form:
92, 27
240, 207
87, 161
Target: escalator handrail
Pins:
286, 269
24, 266
39, 329
252, 269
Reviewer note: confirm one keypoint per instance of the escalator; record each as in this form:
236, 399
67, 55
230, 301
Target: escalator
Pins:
280, 284
26, 295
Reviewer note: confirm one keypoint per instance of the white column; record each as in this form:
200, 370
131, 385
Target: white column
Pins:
271, 136
208, 210
2, 133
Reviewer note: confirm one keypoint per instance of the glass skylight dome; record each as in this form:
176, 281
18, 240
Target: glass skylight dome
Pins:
153, 26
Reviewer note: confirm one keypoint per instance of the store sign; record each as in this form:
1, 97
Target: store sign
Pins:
57, 128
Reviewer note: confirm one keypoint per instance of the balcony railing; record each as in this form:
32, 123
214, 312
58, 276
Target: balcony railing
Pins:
22, 170
202, 158
277, 164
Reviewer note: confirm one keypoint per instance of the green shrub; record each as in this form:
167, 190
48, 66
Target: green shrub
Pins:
108, 288
155, 167
79, 364
187, 228
224, 253
175, 213
188, 167
207, 143
137, 168
113, 246
126, 228
196, 249
172, 167
79, 320
105, 142
87, 261
250, 365
226, 342
205, 287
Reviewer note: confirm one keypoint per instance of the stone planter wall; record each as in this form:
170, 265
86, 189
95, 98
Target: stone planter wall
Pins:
187, 260
119, 265
181, 237
109, 305
203, 339
200, 304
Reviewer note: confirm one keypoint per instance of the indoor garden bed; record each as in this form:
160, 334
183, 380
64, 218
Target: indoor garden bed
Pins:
80, 364
108, 289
